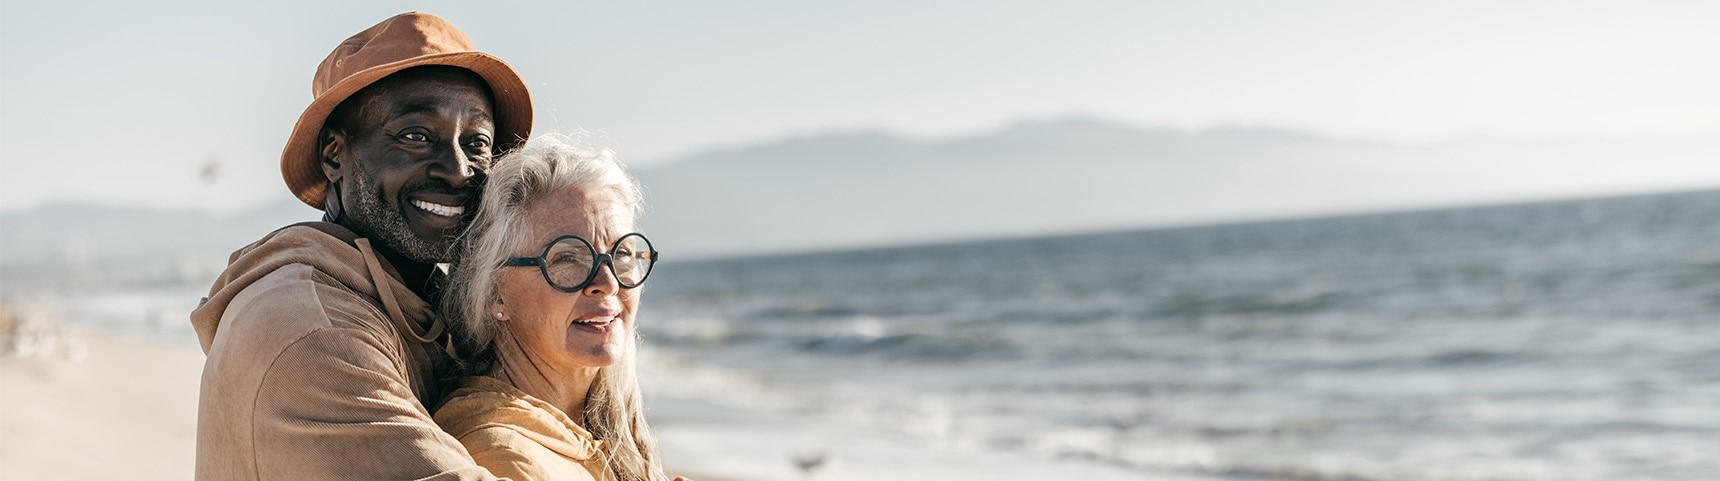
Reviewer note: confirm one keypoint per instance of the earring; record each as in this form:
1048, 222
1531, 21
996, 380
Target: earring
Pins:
498, 316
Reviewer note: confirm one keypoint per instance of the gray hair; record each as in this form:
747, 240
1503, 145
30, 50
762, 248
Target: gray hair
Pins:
614, 408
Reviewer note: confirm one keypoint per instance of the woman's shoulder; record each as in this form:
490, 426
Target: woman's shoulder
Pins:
508, 431
513, 454
507, 454
485, 414
494, 410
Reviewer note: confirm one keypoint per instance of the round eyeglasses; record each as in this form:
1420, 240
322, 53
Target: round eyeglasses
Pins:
570, 262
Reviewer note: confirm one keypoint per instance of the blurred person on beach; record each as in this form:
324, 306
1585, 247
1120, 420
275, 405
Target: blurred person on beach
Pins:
541, 304
323, 347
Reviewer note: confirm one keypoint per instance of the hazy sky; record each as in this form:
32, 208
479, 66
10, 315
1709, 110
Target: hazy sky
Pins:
123, 103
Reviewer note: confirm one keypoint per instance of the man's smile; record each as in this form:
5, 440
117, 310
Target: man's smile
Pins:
439, 209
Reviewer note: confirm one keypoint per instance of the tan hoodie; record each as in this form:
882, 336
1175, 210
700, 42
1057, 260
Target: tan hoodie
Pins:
319, 367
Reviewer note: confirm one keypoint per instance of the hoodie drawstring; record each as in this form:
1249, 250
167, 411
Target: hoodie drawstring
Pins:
386, 293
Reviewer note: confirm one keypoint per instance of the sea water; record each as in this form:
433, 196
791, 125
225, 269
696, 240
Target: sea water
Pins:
1575, 340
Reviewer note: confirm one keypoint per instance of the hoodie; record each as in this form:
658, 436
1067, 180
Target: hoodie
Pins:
320, 364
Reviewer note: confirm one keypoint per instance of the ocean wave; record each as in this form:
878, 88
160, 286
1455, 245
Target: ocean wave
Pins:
1192, 305
1467, 357
952, 345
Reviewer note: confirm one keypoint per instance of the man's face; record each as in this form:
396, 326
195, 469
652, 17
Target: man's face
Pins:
415, 156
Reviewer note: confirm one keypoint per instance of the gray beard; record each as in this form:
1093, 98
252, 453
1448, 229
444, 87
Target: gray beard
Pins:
370, 209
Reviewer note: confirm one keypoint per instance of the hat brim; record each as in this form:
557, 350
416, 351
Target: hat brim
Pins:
301, 163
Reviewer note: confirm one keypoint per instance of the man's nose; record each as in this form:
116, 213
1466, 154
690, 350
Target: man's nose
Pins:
453, 166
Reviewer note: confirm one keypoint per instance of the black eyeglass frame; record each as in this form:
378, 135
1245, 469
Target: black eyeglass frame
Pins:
598, 260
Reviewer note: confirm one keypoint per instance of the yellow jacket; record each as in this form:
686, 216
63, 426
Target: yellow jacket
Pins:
519, 436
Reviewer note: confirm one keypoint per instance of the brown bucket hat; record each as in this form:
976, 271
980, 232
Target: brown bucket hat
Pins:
404, 41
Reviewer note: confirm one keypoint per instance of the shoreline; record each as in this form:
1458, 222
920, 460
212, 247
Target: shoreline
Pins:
132, 403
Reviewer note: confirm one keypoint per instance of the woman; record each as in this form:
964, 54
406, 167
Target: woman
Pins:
542, 308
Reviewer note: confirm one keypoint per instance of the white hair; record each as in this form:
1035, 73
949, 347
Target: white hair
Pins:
614, 408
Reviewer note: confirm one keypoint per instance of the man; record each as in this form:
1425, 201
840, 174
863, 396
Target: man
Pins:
322, 343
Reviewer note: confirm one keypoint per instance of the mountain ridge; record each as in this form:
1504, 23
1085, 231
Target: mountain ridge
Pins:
864, 188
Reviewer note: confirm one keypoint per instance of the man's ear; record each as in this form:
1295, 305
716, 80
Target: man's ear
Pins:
332, 149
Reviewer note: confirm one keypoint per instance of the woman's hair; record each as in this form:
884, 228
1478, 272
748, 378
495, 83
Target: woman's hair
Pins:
614, 409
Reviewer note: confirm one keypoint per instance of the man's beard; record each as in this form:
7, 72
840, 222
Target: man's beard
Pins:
372, 211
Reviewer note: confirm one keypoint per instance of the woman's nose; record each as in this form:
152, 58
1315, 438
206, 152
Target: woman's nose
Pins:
605, 283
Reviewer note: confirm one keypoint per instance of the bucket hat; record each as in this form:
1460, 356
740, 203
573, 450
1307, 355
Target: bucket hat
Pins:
404, 41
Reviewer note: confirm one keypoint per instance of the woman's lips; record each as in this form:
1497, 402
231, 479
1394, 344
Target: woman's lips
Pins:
599, 326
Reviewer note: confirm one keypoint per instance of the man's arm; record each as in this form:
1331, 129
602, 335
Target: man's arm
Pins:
334, 405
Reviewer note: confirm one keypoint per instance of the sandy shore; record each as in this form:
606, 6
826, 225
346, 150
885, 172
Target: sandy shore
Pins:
126, 410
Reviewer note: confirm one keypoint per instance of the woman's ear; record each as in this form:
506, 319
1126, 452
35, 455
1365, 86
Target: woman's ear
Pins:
498, 308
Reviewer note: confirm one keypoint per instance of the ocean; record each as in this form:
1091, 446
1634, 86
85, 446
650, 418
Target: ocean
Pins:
1571, 340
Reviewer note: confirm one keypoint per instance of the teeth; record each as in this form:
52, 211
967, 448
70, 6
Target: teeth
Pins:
594, 321
439, 209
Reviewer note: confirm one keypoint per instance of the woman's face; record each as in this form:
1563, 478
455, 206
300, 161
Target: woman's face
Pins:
565, 331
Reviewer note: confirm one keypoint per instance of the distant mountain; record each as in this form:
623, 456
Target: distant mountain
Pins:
874, 188
63, 245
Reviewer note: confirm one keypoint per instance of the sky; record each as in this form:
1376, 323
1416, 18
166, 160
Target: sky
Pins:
126, 102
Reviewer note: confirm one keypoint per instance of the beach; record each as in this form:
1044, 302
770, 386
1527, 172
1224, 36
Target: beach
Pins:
125, 408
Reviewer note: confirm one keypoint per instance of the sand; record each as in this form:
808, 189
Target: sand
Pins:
126, 410
123, 409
